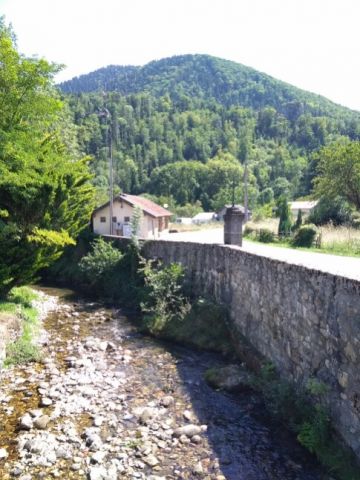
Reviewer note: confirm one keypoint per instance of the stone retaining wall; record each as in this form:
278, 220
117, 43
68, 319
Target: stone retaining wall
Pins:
305, 321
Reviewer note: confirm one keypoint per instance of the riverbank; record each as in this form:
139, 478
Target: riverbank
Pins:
21, 316
110, 403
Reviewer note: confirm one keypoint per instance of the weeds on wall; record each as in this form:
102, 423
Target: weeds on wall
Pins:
305, 414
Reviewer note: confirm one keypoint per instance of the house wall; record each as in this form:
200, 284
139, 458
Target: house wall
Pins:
149, 227
305, 321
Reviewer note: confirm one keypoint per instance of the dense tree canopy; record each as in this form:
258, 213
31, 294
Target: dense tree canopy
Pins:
45, 195
193, 108
339, 172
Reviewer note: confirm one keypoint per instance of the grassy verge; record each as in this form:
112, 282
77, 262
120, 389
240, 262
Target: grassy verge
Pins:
335, 240
19, 304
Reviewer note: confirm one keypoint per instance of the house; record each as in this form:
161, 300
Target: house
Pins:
204, 217
154, 221
304, 206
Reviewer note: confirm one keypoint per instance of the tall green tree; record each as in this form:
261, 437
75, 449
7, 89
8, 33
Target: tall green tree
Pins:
45, 194
339, 172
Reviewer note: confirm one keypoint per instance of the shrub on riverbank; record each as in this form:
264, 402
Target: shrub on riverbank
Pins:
23, 349
304, 413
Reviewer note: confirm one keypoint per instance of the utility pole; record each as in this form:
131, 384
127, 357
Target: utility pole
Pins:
246, 200
111, 171
109, 133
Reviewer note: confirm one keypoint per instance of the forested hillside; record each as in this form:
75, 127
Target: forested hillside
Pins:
184, 127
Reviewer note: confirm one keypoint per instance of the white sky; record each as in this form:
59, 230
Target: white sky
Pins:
313, 44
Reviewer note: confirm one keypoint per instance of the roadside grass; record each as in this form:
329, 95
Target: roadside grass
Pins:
19, 303
336, 240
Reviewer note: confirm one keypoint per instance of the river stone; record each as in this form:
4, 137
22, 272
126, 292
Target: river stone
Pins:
98, 457
97, 473
232, 378
187, 430
41, 422
196, 439
146, 415
26, 422
45, 402
3, 453
151, 460
98, 421
167, 401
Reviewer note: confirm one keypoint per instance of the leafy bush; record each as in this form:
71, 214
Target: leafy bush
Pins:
249, 231
303, 412
335, 210
260, 213
298, 222
305, 236
285, 216
266, 235
164, 299
23, 296
100, 262
266, 196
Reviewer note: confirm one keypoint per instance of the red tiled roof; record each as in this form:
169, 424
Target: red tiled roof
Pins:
146, 205
149, 207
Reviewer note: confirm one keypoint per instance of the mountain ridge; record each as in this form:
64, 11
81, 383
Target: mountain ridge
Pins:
204, 76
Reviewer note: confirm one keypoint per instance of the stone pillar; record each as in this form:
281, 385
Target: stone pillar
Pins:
233, 220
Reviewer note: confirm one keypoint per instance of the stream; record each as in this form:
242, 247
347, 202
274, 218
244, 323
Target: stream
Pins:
109, 403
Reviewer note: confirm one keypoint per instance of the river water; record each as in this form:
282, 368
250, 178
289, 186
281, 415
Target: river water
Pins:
108, 403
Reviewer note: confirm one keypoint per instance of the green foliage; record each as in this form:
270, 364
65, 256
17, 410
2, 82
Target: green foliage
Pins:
99, 264
314, 434
266, 196
135, 224
303, 412
23, 349
339, 172
305, 236
45, 195
196, 108
262, 212
189, 209
266, 235
298, 222
203, 326
285, 216
23, 296
164, 301
335, 210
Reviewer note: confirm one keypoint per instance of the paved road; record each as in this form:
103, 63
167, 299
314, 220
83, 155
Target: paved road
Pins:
348, 267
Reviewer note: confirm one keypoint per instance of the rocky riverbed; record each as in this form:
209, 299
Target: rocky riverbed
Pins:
108, 403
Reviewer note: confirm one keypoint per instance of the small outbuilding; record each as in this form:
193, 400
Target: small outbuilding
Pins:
204, 217
305, 206
153, 223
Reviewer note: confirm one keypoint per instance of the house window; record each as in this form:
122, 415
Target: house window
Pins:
126, 219
114, 219
103, 219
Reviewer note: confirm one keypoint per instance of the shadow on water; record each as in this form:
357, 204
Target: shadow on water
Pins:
244, 441
248, 445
